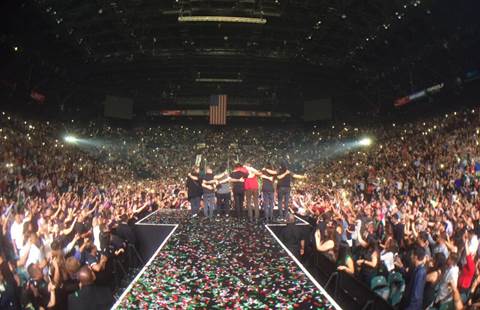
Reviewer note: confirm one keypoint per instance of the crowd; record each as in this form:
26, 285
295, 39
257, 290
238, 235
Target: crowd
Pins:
66, 218
404, 217
407, 205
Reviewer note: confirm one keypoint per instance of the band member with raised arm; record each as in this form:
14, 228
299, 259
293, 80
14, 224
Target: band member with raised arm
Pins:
285, 178
208, 186
237, 177
251, 192
223, 191
194, 189
267, 192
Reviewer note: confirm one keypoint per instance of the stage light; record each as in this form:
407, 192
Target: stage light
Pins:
218, 80
70, 139
365, 142
222, 19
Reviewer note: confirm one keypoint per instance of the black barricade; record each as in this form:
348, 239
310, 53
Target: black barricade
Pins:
149, 238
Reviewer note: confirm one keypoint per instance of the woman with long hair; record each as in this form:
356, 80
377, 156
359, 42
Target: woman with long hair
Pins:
369, 262
387, 256
434, 275
344, 259
326, 245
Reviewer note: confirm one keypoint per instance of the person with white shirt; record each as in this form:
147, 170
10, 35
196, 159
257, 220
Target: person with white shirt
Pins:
96, 223
388, 254
449, 278
16, 232
448, 225
472, 241
32, 253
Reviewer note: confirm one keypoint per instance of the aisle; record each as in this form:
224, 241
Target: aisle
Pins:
225, 264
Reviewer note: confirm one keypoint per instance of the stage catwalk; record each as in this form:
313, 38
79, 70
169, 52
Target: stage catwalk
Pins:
224, 264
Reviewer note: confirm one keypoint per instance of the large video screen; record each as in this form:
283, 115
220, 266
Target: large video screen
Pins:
118, 107
317, 110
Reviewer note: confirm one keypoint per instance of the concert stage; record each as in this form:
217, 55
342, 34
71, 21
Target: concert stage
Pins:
225, 264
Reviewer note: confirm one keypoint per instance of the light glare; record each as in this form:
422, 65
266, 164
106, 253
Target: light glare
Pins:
365, 142
70, 139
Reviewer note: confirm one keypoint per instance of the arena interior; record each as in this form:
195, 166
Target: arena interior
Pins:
239, 154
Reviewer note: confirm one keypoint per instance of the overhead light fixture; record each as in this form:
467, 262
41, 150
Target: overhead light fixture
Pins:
222, 19
218, 80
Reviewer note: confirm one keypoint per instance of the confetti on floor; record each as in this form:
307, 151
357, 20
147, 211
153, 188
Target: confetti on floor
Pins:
224, 264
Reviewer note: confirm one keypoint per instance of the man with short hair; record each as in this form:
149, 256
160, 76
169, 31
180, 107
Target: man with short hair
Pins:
208, 186
293, 237
284, 181
267, 192
423, 241
413, 296
71, 283
194, 190
124, 230
94, 259
237, 177
16, 232
223, 191
450, 277
33, 252
398, 229
39, 293
89, 296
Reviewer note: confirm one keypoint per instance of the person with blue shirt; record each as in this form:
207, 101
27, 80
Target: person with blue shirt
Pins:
413, 296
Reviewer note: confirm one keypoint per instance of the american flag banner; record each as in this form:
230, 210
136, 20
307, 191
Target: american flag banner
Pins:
218, 110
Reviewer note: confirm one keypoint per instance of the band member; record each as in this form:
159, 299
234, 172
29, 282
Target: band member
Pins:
237, 177
194, 189
285, 177
251, 192
223, 191
208, 185
267, 192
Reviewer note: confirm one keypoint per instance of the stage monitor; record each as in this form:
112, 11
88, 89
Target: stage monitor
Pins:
118, 107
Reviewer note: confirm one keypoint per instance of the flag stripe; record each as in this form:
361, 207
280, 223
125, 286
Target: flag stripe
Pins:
218, 110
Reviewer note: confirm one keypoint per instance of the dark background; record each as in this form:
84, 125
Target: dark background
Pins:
360, 54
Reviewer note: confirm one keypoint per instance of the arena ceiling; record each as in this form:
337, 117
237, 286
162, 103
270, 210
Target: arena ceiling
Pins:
140, 48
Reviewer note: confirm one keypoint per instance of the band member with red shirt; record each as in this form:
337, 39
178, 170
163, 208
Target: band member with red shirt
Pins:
251, 192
